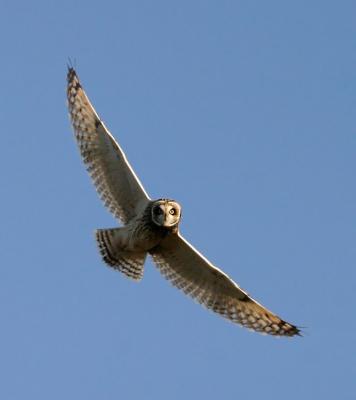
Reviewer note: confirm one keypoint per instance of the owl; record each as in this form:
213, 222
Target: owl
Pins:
151, 227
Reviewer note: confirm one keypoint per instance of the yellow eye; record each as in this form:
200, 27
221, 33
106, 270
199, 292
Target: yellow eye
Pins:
172, 211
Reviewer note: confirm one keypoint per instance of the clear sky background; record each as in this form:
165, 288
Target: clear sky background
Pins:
242, 111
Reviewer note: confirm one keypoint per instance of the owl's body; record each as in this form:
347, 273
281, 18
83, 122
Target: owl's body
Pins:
125, 248
152, 227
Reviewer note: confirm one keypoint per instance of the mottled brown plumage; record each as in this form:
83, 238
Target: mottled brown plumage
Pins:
151, 227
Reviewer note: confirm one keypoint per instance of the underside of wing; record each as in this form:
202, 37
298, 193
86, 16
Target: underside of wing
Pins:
115, 180
189, 271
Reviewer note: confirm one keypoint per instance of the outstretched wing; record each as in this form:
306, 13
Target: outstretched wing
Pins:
189, 271
115, 180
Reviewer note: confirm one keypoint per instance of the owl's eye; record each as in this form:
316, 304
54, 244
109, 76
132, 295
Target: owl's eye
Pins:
172, 211
157, 210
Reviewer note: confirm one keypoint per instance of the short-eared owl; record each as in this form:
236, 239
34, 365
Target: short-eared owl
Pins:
151, 227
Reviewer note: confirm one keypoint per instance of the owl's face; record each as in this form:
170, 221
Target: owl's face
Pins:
166, 213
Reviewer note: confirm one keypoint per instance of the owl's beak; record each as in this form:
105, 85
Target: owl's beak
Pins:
166, 222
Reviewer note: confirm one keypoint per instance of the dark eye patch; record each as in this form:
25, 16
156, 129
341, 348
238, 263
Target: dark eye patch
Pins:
157, 210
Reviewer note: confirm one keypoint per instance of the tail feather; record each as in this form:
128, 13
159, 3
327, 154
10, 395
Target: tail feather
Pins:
130, 263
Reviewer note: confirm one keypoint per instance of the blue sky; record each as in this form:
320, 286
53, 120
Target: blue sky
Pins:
244, 112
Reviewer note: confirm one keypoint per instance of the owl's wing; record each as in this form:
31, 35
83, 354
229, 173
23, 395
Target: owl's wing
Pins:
189, 271
115, 180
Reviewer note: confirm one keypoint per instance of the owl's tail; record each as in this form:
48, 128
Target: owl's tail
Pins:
130, 263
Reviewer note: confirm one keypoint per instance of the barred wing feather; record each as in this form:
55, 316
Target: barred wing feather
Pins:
115, 180
189, 271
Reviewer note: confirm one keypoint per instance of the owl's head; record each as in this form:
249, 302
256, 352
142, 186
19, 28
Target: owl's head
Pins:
166, 213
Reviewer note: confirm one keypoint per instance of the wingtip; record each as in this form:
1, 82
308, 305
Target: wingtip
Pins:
299, 331
296, 332
72, 77
292, 331
70, 69
71, 72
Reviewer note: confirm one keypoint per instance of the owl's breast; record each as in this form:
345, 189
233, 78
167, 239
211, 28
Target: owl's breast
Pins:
145, 235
